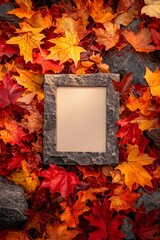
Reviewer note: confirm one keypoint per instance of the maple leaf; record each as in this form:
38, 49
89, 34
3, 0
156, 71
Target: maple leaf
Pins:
65, 49
133, 167
47, 65
9, 91
33, 82
29, 38
99, 12
11, 132
123, 199
109, 36
16, 235
141, 41
126, 17
107, 226
156, 38
57, 179
24, 10
59, 231
29, 181
145, 123
153, 80
71, 214
117, 177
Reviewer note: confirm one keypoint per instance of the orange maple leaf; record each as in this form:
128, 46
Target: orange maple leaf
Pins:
123, 199
109, 36
13, 235
24, 11
28, 39
59, 231
140, 41
133, 170
153, 80
65, 49
29, 181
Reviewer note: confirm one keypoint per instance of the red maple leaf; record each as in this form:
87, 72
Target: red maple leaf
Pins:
57, 179
107, 225
9, 92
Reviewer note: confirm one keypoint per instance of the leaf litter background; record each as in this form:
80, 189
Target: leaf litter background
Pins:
80, 202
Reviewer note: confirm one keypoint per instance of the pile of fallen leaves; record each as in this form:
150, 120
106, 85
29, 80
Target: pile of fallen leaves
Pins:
79, 202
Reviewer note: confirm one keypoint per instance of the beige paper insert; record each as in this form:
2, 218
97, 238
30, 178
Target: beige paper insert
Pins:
81, 119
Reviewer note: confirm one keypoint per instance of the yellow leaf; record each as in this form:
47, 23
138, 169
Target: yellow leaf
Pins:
24, 10
133, 170
27, 42
32, 82
65, 49
153, 80
29, 181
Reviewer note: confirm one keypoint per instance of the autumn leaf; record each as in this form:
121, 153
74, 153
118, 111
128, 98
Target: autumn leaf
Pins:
59, 231
153, 80
152, 8
146, 124
65, 49
141, 41
107, 226
71, 214
28, 39
24, 10
99, 12
134, 167
123, 199
11, 132
9, 91
109, 36
57, 179
29, 181
16, 235
32, 82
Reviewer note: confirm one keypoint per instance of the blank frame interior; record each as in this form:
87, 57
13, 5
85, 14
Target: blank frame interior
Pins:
81, 119
80, 115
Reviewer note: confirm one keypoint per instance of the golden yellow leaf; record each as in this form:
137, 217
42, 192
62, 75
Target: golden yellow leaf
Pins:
65, 49
109, 36
32, 82
133, 170
146, 124
29, 181
153, 80
24, 11
27, 42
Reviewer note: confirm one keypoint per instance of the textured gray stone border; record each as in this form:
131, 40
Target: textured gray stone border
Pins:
52, 81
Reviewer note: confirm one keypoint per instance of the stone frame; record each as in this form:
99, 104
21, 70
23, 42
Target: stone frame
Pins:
52, 81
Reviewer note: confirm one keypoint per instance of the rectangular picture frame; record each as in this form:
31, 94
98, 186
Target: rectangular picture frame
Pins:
54, 81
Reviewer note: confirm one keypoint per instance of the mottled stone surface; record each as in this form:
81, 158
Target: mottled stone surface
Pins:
6, 7
128, 60
150, 201
126, 229
52, 81
12, 205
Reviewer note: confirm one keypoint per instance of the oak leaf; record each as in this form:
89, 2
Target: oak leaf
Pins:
123, 199
32, 82
109, 36
24, 10
29, 181
9, 91
65, 49
153, 80
59, 231
28, 39
134, 167
57, 179
141, 41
